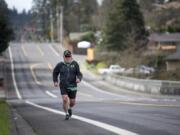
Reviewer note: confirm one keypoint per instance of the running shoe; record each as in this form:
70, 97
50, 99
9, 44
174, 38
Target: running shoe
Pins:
67, 117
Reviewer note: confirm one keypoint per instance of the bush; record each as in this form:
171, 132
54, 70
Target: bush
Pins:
6, 33
101, 65
89, 37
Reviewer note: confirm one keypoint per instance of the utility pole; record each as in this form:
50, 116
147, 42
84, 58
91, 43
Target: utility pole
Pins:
61, 26
52, 28
57, 21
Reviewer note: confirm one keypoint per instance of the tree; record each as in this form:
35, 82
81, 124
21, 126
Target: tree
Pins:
5, 31
101, 14
124, 26
76, 15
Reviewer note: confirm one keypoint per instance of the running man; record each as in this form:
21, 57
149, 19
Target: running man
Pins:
69, 75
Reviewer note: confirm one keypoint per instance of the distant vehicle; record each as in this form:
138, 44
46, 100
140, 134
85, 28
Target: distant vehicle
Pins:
144, 69
129, 71
111, 69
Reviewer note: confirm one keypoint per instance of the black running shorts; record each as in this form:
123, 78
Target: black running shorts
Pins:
65, 91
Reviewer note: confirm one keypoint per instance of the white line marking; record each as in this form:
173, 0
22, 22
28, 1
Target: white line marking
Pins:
40, 50
55, 52
105, 126
24, 50
51, 94
13, 75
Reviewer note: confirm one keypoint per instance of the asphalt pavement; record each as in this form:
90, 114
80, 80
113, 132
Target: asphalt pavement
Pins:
101, 108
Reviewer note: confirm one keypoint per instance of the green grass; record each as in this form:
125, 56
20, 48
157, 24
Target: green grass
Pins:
4, 118
91, 67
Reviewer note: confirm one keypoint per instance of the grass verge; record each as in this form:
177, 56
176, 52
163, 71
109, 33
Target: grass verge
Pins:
4, 118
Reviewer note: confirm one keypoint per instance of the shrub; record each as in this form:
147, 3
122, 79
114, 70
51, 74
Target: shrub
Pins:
101, 65
89, 37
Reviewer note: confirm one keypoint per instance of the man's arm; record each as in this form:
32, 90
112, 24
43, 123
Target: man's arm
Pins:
55, 74
78, 73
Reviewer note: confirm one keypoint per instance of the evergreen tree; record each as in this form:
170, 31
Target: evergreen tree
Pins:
124, 25
5, 31
77, 14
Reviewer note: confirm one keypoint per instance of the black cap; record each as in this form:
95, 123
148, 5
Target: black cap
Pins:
67, 53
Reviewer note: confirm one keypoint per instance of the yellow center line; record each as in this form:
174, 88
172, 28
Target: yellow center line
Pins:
50, 66
40, 50
34, 75
24, 51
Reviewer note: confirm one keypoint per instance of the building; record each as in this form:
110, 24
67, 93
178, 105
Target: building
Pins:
168, 44
173, 60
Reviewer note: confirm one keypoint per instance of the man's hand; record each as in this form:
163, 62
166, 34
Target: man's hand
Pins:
78, 81
55, 84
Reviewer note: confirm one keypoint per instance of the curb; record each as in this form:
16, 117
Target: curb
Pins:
19, 125
2, 89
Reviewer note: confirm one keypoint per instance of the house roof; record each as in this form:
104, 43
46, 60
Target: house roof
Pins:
165, 37
174, 56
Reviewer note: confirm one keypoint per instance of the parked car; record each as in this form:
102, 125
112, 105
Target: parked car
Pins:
144, 69
111, 69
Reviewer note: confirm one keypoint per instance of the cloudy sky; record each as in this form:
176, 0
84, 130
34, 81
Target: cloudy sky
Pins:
19, 4
23, 4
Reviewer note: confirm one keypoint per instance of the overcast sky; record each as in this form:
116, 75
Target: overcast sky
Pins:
19, 4
23, 4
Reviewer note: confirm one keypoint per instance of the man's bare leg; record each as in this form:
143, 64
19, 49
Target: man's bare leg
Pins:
65, 104
72, 103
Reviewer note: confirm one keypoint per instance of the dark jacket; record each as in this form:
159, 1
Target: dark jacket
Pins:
67, 73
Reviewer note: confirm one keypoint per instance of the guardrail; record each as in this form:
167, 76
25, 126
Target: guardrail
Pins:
145, 85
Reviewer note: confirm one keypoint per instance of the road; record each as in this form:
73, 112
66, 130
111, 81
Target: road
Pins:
97, 112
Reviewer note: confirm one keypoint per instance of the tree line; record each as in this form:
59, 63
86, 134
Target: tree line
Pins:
77, 15
121, 22
6, 32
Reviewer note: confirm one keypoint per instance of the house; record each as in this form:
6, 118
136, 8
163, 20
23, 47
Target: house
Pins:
164, 42
173, 60
168, 44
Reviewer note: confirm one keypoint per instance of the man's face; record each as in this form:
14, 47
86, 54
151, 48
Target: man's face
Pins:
67, 59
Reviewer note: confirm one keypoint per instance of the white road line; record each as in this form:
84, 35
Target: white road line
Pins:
40, 50
105, 126
13, 75
51, 94
24, 51
55, 52
34, 75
